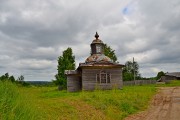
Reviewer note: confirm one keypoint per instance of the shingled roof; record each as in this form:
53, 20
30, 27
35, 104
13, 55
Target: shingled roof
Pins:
175, 74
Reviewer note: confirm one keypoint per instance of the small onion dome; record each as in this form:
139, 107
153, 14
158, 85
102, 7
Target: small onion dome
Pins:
98, 58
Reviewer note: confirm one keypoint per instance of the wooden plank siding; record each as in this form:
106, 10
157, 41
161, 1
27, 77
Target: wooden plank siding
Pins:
168, 78
89, 79
74, 83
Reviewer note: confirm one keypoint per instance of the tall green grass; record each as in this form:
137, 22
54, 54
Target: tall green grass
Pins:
113, 104
13, 105
118, 104
47, 103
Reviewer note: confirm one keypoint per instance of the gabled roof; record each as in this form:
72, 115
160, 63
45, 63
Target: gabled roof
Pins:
175, 74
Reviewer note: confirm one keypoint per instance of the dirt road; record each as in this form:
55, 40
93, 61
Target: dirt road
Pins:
165, 106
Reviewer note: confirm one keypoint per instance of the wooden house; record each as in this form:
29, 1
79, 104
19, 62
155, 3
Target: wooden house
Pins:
97, 72
170, 76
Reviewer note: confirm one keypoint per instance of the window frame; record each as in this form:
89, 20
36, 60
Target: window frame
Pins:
103, 77
98, 48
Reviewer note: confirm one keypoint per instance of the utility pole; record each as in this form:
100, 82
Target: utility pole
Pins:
134, 71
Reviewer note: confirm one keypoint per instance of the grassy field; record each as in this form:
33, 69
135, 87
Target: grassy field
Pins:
14, 105
46, 103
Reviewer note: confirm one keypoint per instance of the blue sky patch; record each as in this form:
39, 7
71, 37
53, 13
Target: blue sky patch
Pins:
125, 10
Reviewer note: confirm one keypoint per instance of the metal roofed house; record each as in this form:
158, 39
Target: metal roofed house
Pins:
98, 71
170, 76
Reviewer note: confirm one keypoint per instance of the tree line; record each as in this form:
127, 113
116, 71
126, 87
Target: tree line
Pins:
19, 80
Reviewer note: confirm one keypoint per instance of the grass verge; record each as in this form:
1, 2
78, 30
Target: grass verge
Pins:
172, 83
13, 105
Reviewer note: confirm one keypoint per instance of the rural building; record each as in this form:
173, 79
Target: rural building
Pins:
170, 76
97, 72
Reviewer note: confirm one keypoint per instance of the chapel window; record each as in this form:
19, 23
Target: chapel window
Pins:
103, 77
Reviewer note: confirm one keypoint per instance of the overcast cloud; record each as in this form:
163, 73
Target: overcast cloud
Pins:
33, 33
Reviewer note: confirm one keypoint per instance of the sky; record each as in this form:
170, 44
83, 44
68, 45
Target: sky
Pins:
33, 34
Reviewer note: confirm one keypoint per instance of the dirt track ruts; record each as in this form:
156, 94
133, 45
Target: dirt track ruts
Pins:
165, 106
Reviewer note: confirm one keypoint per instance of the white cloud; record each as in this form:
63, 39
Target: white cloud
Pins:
33, 64
155, 70
137, 45
4, 57
44, 50
144, 57
34, 33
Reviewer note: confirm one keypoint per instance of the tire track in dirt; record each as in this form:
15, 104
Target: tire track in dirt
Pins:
165, 106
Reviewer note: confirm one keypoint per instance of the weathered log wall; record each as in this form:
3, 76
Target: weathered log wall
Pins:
89, 79
73, 83
167, 78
